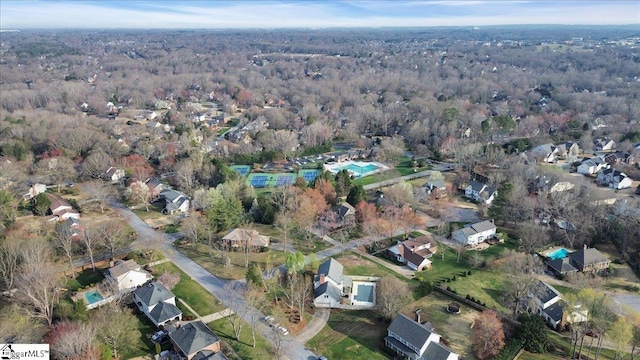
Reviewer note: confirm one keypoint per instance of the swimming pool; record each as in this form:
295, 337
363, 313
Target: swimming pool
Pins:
93, 296
356, 168
560, 253
365, 293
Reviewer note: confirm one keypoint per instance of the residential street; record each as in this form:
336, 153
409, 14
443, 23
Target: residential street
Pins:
228, 292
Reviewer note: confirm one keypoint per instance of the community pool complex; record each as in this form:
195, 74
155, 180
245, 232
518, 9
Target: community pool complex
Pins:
356, 168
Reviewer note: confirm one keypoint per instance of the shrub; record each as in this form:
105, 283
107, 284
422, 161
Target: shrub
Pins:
423, 289
453, 278
469, 272
468, 297
449, 288
510, 350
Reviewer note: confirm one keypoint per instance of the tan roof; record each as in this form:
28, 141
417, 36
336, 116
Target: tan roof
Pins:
239, 235
122, 267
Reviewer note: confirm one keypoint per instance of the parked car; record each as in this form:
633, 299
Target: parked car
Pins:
270, 320
160, 336
322, 358
283, 330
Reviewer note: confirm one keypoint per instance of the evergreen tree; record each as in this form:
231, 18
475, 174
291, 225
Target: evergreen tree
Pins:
356, 194
533, 333
343, 182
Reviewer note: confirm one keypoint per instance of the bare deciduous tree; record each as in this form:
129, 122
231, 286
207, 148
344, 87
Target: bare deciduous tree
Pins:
391, 295
63, 240
100, 192
117, 328
112, 235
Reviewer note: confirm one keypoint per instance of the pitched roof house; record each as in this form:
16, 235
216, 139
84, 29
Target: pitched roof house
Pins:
414, 341
415, 252
34, 190
436, 188
592, 166
239, 237
113, 174
474, 234
546, 153
548, 304
614, 179
175, 201
588, 259
157, 303
345, 215
331, 288
604, 144
60, 209
127, 275
195, 340
479, 192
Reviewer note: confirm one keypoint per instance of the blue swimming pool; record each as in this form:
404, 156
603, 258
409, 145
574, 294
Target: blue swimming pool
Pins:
558, 254
365, 293
93, 297
358, 170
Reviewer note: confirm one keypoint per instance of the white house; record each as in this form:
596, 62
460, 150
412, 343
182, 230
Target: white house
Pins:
127, 275
546, 153
415, 252
614, 179
175, 201
157, 303
479, 192
547, 303
333, 289
475, 233
34, 191
592, 166
113, 174
604, 144
412, 340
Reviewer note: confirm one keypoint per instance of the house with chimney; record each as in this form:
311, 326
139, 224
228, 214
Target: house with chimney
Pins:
585, 260
333, 289
474, 234
239, 238
414, 252
410, 339
480, 192
127, 275
614, 179
546, 301
196, 341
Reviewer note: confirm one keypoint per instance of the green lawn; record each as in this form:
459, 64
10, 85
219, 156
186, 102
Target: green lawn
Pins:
356, 264
145, 345
155, 211
561, 349
352, 335
301, 240
212, 261
190, 291
84, 279
243, 348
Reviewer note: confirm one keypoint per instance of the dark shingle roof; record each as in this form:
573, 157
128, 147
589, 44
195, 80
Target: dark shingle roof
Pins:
587, 257
332, 269
329, 289
476, 186
209, 355
153, 293
436, 351
483, 226
545, 292
410, 331
561, 266
193, 337
164, 311
554, 311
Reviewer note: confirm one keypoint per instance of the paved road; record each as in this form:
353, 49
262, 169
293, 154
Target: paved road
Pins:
320, 318
228, 292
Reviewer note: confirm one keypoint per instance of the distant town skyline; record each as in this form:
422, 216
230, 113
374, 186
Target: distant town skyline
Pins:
171, 14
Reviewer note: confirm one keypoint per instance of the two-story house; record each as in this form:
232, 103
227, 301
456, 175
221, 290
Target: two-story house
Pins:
585, 260
175, 201
113, 174
157, 303
345, 215
547, 302
480, 192
329, 284
127, 275
604, 144
614, 179
196, 341
474, 234
415, 252
411, 340
592, 166
239, 238
60, 209
546, 153
436, 189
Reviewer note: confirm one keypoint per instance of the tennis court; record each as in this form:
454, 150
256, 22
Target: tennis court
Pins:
309, 175
262, 180
242, 169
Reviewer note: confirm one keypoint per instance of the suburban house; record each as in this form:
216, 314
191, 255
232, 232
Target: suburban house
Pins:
604, 144
34, 191
157, 302
568, 150
479, 192
545, 153
127, 275
545, 184
412, 340
175, 201
589, 259
592, 166
614, 179
113, 174
415, 253
60, 209
331, 288
239, 238
437, 189
74, 228
155, 187
474, 234
196, 341
345, 215
619, 157
547, 303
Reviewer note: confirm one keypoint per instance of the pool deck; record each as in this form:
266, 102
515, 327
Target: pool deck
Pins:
334, 168
551, 250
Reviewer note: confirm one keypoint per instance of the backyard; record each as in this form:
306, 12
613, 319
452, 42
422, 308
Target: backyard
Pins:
351, 334
242, 348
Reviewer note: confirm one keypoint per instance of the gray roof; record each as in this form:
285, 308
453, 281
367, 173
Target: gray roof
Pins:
332, 269
171, 195
483, 226
545, 292
193, 337
164, 311
209, 355
561, 266
436, 351
122, 267
407, 351
410, 331
344, 209
554, 311
329, 289
476, 185
587, 256
153, 293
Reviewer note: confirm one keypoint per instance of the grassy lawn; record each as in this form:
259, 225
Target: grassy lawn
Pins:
190, 291
155, 211
146, 346
223, 130
455, 329
389, 174
84, 279
211, 260
243, 348
305, 242
351, 334
355, 264
562, 350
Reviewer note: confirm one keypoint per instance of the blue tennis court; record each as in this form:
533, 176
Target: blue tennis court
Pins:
259, 181
309, 175
284, 180
242, 169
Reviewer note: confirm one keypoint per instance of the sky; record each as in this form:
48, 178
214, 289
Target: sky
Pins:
218, 14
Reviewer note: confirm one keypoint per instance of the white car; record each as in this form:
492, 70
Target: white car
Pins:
283, 330
159, 336
270, 320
